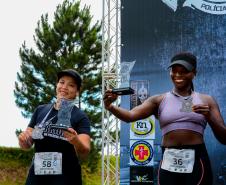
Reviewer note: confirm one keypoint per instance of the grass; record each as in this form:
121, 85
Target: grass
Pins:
14, 173
15, 163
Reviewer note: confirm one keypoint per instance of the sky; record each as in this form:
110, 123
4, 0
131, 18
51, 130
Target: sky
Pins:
18, 20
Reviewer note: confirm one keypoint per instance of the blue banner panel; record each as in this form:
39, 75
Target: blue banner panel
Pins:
152, 31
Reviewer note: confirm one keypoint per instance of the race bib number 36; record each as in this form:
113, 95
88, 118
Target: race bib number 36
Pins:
48, 163
180, 161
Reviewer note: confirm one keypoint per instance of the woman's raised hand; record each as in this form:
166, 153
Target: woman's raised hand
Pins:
109, 98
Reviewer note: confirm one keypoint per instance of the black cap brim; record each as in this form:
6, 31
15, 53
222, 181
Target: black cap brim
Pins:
184, 63
71, 73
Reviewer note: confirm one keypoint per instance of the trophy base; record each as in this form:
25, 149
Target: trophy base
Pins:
63, 127
123, 91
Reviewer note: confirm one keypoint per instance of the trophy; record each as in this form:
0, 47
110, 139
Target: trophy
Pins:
64, 114
124, 73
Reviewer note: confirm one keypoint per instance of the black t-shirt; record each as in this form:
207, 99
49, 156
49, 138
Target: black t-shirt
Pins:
52, 139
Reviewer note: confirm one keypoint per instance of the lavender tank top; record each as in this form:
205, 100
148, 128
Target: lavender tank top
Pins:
172, 117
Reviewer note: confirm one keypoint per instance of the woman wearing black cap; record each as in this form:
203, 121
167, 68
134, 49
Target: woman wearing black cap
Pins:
57, 150
183, 115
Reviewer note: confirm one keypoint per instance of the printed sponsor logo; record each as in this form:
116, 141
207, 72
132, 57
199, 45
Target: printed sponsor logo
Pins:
143, 178
141, 175
143, 127
141, 152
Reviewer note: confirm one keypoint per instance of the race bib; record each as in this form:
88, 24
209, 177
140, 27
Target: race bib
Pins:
48, 163
180, 161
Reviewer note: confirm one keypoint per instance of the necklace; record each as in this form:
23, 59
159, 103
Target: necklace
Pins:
187, 104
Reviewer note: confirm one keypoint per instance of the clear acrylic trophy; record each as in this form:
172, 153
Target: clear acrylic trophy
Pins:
125, 70
64, 114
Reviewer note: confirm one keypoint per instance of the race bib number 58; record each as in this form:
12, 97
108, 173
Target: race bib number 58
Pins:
48, 163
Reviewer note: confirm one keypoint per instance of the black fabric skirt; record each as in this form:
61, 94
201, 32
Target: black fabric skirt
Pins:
201, 174
73, 178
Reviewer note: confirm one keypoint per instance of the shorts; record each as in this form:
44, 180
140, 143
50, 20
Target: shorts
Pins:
201, 174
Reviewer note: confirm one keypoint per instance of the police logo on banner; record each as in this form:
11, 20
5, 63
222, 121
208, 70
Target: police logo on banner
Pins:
141, 152
144, 128
217, 7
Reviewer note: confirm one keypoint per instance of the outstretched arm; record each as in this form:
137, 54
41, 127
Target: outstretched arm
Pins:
149, 107
213, 116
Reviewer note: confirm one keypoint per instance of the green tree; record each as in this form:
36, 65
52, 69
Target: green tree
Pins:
71, 41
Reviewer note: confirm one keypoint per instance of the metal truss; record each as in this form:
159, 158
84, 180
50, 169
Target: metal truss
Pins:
110, 62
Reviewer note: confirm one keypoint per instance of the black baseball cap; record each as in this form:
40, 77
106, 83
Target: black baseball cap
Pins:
185, 59
71, 72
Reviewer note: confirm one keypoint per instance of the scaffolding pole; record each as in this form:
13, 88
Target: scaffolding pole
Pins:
111, 44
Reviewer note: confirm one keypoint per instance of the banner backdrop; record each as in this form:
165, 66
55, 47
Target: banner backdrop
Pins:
152, 32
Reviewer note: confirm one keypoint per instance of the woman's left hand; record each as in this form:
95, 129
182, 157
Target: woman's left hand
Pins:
203, 109
71, 135
81, 142
213, 116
